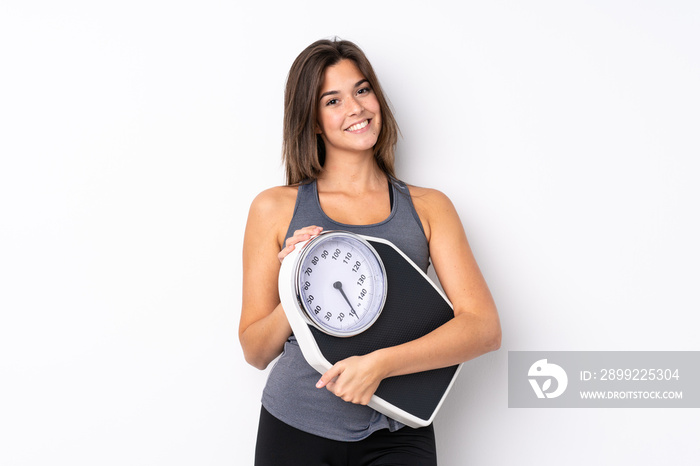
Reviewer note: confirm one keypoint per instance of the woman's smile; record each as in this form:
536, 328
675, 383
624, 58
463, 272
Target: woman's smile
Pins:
358, 127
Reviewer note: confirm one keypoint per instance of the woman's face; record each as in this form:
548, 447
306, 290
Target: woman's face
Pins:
349, 116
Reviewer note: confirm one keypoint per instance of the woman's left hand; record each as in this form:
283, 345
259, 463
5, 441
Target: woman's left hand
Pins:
354, 379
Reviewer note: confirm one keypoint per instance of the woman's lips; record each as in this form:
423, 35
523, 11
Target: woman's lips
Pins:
358, 126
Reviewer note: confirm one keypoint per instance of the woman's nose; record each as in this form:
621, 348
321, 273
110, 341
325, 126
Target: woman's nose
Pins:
354, 106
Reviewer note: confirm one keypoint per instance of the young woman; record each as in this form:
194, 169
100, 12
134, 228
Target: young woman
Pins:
339, 140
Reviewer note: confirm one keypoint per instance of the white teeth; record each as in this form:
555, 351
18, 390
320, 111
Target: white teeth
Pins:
358, 126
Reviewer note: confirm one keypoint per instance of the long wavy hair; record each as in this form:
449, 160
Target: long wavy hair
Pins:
303, 150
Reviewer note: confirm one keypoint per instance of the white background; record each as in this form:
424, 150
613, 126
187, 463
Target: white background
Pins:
135, 134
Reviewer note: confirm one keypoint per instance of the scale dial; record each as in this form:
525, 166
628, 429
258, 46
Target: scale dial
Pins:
340, 283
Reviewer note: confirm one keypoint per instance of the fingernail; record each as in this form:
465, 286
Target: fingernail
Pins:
319, 384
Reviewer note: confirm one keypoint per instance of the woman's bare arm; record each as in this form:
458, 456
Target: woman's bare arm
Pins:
263, 326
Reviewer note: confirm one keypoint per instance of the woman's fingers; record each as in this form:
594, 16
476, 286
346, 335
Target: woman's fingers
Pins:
354, 379
298, 237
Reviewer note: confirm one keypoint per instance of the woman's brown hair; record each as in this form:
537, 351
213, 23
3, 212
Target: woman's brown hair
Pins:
303, 151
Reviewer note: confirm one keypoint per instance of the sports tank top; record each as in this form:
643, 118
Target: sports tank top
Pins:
290, 393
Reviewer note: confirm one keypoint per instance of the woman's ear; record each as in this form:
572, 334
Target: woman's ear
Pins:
318, 129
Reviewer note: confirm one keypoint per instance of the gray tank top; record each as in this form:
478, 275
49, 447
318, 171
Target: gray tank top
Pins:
290, 393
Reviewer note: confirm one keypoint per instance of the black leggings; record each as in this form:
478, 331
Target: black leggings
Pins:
279, 444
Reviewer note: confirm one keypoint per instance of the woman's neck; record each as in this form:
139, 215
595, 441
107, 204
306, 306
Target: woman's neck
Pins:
354, 173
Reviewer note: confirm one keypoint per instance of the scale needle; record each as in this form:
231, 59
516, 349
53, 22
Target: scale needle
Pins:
339, 286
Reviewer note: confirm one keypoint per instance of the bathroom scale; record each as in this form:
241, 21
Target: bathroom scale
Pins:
346, 295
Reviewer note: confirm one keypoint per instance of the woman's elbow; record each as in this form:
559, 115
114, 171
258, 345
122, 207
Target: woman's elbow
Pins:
486, 334
256, 362
492, 337
254, 357
494, 341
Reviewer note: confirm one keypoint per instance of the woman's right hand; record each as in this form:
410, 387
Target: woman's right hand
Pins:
298, 237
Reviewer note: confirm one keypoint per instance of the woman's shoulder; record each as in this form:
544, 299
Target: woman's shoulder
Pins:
432, 207
272, 210
275, 198
428, 198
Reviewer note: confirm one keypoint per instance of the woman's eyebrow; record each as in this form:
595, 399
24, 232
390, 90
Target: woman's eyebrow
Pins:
328, 93
357, 84
361, 82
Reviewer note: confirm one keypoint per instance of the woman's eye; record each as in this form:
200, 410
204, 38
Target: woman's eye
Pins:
332, 102
364, 90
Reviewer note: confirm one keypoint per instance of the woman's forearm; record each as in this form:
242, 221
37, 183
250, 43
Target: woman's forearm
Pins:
463, 338
263, 340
